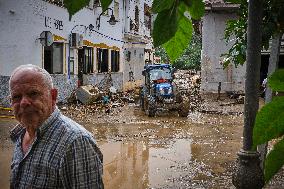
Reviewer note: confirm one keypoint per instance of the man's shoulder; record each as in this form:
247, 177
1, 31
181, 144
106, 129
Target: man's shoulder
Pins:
73, 130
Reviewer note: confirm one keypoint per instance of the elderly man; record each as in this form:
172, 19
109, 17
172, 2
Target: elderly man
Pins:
51, 150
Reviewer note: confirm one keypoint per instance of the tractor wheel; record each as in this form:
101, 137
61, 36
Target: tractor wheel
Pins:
184, 107
151, 106
142, 103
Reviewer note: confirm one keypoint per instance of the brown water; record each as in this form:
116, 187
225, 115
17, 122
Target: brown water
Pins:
167, 151
6, 149
161, 152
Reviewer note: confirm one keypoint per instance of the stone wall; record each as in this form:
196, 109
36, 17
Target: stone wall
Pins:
64, 85
4, 91
100, 79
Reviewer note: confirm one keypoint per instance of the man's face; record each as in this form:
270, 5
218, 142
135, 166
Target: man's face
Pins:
32, 101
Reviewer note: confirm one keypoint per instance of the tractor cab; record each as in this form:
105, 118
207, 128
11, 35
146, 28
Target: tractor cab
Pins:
159, 91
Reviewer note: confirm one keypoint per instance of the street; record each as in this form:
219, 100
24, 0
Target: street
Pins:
166, 151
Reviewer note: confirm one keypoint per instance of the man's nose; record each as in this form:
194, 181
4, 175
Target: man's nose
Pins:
25, 101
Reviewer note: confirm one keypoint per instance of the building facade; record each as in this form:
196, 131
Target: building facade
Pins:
81, 51
232, 79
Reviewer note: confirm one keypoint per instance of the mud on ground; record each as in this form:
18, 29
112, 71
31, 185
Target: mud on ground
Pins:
161, 152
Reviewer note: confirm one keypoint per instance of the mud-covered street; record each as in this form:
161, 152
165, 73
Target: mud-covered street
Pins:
166, 151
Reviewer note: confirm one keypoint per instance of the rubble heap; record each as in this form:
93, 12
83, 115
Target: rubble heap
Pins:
87, 101
188, 81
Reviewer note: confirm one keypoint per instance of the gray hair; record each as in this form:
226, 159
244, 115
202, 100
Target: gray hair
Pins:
45, 75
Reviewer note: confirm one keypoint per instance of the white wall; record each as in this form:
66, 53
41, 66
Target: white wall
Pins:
137, 59
213, 45
22, 21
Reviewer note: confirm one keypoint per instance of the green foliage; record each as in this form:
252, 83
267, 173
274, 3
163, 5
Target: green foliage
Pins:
165, 29
74, 6
272, 23
176, 45
269, 122
161, 52
196, 9
190, 59
172, 29
161, 5
276, 80
105, 4
274, 160
236, 30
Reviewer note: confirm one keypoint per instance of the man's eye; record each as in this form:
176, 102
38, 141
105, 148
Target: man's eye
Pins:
34, 94
16, 97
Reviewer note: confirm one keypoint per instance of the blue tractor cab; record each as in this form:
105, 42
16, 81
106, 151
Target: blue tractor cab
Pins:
160, 92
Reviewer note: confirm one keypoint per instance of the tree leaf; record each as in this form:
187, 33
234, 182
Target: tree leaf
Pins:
105, 4
176, 45
196, 9
276, 80
74, 6
161, 5
269, 122
165, 26
274, 160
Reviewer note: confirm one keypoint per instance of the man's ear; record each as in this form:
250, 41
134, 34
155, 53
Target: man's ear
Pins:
54, 94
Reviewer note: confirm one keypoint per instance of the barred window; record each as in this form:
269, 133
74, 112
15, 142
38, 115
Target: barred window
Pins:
102, 56
114, 61
88, 60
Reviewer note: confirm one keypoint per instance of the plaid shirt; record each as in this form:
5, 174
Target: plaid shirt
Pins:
63, 155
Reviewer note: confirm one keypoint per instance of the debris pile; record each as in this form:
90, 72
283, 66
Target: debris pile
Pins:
89, 94
89, 100
237, 95
188, 82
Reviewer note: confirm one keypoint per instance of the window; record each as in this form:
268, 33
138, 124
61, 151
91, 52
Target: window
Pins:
102, 56
136, 19
53, 58
114, 61
159, 73
88, 60
147, 16
85, 60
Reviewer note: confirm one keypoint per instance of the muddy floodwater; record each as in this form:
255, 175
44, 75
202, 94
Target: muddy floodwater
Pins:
166, 151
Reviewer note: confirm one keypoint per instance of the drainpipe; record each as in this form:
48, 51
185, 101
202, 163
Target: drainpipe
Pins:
248, 173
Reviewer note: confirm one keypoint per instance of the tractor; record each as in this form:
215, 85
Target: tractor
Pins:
160, 93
